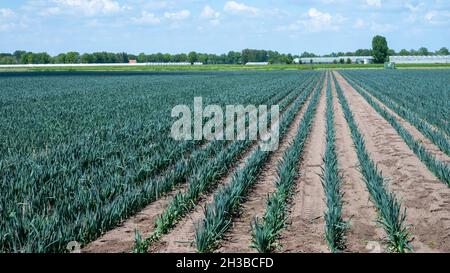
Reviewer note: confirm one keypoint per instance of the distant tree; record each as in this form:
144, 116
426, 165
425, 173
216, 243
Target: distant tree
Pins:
87, 58
413, 52
72, 57
380, 49
7, 59
404, 52
391, 52
60, 59
335, 61
341, 61
443, 51
349, 61
308, 55
192, 57
18, 55
363, 52
423, 51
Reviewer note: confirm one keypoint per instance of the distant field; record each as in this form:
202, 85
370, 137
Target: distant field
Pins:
221, 67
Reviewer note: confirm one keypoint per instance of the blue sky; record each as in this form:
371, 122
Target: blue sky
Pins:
289, 26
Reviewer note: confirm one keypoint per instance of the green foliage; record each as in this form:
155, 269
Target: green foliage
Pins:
219, 213
192, 57
438, 137
439, 168
392, 218
266, 231
206, 178
423, 93
335, 226
380, 49
93, 149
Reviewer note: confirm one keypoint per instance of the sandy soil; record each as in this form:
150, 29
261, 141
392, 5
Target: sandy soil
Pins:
427, 143
358, 210
426, 198
305, 230
182, 238
121, 238
239, 238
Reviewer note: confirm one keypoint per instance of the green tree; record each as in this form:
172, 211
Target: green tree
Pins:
443, 51
380, 49
18, 55
87, 58
60, 59
404, 52
192, 57
423, 51
72, 57
349, 61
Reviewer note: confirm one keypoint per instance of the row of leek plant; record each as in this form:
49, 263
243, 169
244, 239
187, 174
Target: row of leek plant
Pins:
436, 136
203, 180
218, 214
266, 231
391, 216
335, 226
436, 166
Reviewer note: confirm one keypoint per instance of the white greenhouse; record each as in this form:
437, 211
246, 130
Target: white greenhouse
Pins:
420, 59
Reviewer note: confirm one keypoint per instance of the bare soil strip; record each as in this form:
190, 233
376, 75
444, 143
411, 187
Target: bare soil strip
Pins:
239, 237
306, 225
181, 239
358, 210
121, 239
426, 198
427, 143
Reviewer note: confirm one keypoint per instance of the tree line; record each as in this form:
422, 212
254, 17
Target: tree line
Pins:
232, 57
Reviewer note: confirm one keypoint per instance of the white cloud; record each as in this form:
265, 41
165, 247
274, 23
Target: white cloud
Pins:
209, 13
360, 23
6, 19
6, 13
146, 18
316, 21
234, 7
437, 17
179, 15
90, 7
374, 3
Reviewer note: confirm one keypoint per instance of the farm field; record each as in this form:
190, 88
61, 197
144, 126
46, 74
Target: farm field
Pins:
217, 67
363, 163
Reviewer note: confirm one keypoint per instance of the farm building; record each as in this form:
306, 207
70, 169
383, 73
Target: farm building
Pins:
420, 59
330, 60
257, 63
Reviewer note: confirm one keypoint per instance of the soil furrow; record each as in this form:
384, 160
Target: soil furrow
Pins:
238, 239
305, 230
426, 142
121, 239
363, 235
426, 199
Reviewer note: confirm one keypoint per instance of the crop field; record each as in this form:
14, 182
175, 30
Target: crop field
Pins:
363, 163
